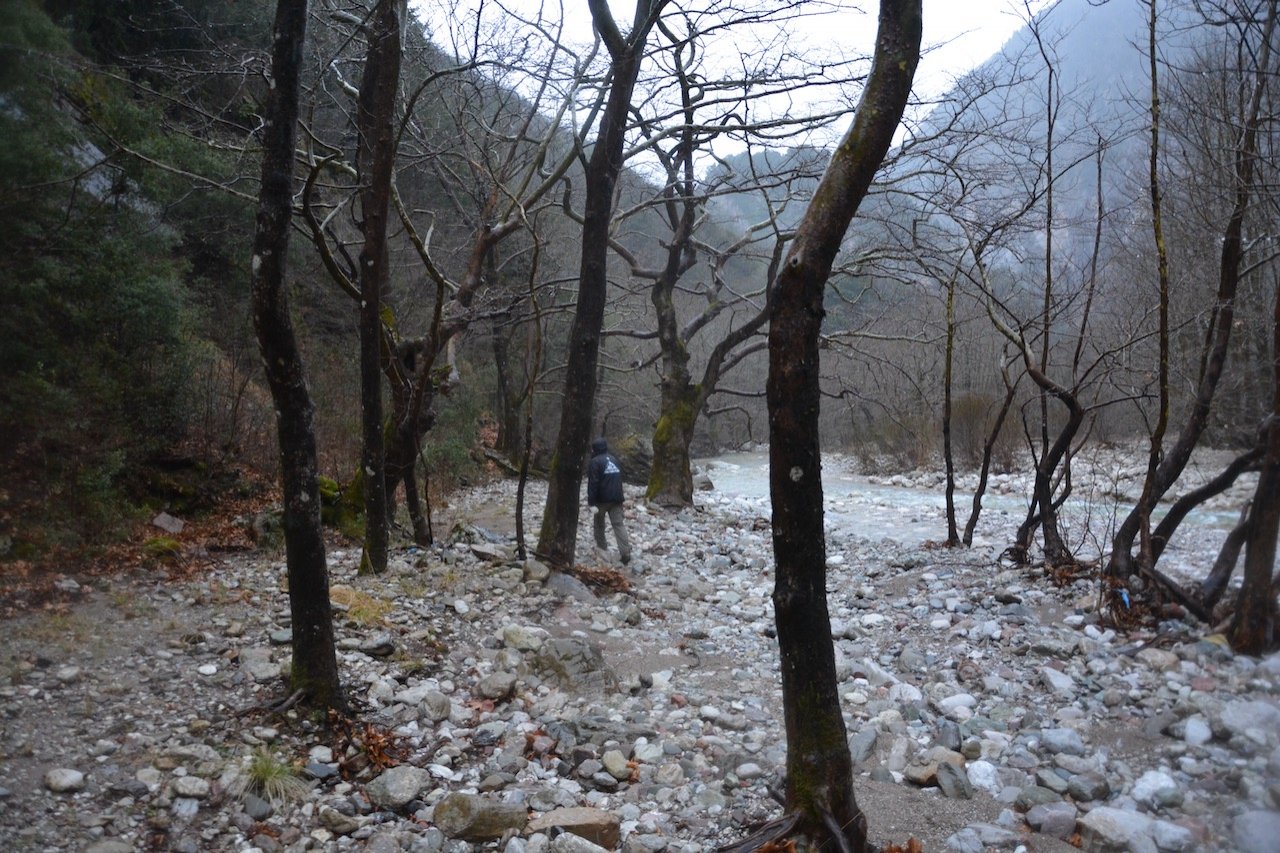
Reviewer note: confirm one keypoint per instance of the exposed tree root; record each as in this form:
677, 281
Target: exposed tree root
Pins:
836, 832
279, 708
781, 836
769, 838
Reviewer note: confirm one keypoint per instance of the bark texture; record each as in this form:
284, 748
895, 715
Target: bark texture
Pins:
315, 667
819, 769
1253, 628
375, 159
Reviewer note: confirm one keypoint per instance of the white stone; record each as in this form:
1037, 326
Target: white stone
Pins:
1156, 789
1198, 732
984, 775
1106, 829
1057, 681
956, 701
903, 692
1257, 720
64, 780
523, 638
190, 786
1169, 836
1256, 832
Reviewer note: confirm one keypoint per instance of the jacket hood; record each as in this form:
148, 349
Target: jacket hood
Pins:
599, 446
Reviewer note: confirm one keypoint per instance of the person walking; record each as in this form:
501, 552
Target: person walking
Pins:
604, 492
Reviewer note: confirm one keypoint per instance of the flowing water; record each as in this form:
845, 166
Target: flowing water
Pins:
915, 511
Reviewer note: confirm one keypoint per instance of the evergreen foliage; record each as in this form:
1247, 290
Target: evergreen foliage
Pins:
96, 333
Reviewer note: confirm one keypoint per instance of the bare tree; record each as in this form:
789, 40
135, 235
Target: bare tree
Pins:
1253, 626
375, 163
1253, 31
695, 304
315, 668
819, 794
479, 167
558, 538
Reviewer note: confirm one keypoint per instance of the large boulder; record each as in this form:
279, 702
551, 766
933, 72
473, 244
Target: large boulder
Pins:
478, 818
577, 664
397, 787
598, 827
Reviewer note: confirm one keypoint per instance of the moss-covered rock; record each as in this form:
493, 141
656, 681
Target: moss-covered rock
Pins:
162, 548
634, 453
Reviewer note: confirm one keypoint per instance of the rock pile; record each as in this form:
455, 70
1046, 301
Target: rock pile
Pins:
985, 708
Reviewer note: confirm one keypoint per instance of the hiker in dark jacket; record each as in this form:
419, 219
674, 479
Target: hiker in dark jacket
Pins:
604, 492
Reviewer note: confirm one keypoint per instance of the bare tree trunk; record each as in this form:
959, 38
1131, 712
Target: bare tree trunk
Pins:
953, 535
508, 404
1145, 501
987, 446
315, 666
1247, 461
819, 769
1215, 583
1043, 508
671, 476
1253, 628
375, 158
534, 368
558, 538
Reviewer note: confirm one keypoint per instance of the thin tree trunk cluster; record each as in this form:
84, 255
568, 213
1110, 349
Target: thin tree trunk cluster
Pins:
1256, 603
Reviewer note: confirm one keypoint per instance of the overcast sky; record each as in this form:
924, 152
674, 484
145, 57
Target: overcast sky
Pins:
958, 34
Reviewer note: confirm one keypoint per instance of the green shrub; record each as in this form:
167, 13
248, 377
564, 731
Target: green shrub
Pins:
162, 548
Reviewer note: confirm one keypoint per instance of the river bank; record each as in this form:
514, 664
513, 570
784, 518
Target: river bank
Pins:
986, 708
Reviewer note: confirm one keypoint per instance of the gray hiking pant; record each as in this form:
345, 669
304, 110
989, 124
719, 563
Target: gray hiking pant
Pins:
614, 511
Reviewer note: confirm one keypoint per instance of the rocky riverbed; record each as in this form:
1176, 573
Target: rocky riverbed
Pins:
986, 708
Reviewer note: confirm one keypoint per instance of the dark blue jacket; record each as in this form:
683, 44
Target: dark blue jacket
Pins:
604, 476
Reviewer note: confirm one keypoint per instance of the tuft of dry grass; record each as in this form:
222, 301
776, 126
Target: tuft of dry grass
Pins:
272, 778
361, 608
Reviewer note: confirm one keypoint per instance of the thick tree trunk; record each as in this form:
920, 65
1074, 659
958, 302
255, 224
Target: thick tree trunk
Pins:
315, 666
671, 476
819, 769
375, 159
558, 538
1253, 628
